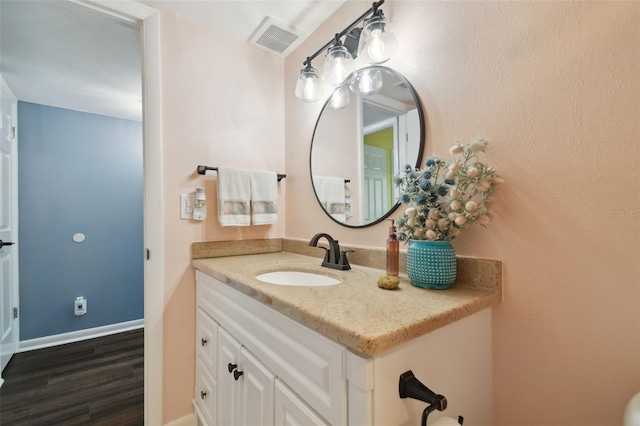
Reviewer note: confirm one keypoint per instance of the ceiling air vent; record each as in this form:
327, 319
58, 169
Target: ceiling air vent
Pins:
276, 37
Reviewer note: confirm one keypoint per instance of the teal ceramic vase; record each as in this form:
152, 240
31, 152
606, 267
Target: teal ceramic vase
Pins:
431, 264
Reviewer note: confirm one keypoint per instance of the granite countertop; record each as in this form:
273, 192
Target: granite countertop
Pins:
357, 313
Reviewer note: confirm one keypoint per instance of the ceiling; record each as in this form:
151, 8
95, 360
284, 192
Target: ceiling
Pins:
60, 54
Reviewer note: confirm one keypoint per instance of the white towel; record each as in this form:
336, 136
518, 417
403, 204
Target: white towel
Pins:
264, 197
234, 195
330, 192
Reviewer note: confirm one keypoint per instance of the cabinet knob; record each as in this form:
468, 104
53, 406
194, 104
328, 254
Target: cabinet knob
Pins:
203, 394
203, 341
232, 367
237, 374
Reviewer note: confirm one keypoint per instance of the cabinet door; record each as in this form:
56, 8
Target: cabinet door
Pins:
291, 410
256, 391
228, 389
205, 394
206, 341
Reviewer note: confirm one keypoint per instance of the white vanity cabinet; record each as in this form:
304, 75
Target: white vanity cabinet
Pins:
266, 369
288, 373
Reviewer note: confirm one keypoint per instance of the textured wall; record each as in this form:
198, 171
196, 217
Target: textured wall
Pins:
78, 172
555, 87
222, 103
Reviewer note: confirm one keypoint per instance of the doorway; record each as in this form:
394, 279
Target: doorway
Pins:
147, 19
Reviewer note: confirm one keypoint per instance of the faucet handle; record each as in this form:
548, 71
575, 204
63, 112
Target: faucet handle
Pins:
344, 261
327, 256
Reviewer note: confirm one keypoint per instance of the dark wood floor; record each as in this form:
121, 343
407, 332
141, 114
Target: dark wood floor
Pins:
93, 382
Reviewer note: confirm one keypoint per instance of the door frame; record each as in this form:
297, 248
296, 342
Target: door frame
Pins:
148, 20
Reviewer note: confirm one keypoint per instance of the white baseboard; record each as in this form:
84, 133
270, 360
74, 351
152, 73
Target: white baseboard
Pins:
188, 420
76, 336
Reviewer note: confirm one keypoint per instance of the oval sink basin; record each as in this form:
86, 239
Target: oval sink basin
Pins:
297, 278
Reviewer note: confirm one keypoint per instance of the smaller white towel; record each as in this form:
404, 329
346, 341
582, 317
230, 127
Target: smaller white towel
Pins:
264, 197
234, 195
330, 192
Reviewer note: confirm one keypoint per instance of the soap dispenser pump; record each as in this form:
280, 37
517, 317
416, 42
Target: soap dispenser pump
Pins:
393, 250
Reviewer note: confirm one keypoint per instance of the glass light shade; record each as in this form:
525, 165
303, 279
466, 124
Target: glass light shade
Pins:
377, 42
367, 83
309, 87
340, 98
338, 65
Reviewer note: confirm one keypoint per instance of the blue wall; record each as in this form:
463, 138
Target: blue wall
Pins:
78, 172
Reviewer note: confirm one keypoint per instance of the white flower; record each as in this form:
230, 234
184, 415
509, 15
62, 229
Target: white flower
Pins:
452, 216
483, 219
497, 181
454, 167
450, 175
483, 185
442, 223
455, 205
455, 193
430, 223
412, 221
479, 144
471, 206
455, 232
461, 220
472, 172
455, 150
434, 214
431, 235
411, 211
419, 232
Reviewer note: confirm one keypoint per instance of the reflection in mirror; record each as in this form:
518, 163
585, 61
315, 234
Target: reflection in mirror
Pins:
367, 131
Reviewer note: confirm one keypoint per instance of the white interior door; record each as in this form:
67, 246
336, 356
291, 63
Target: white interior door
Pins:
376, 181
8, 225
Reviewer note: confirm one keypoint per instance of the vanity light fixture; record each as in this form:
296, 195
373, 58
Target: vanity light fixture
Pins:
375, 43
309, 87
338, 64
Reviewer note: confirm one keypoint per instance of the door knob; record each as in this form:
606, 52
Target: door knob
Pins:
237, 374
2, 244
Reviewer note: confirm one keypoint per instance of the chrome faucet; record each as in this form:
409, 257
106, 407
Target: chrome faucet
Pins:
333, 257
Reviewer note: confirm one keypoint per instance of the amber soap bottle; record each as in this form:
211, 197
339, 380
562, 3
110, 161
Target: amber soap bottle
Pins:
393, 250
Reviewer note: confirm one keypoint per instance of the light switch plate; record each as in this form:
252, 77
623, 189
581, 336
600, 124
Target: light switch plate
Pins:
187, 201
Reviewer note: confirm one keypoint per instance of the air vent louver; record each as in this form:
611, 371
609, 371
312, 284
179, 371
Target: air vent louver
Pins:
276, 37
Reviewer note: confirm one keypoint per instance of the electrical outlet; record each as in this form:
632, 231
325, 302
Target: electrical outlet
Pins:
187, 203
80, 306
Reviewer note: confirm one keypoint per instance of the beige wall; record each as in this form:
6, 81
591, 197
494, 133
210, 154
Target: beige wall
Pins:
555, 87
222, 106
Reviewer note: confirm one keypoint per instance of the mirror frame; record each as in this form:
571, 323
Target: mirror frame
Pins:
421, 119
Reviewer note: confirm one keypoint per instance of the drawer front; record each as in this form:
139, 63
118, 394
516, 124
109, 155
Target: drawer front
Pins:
205, 393
206, 341
311, 364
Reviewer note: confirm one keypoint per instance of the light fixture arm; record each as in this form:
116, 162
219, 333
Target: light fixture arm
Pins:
372, 10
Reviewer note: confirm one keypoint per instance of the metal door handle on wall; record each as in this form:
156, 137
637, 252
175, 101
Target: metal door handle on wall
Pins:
2, 244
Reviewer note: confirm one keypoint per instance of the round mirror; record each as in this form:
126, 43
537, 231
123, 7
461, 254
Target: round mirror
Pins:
367, 131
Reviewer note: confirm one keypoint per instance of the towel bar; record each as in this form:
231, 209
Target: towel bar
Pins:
203, 169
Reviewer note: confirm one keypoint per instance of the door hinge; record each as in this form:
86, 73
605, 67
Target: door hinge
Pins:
148, 254
13, 132
15, 313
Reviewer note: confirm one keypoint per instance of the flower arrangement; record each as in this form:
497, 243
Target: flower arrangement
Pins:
445, 197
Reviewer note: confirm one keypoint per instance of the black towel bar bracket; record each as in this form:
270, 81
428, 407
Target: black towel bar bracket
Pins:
203, 170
